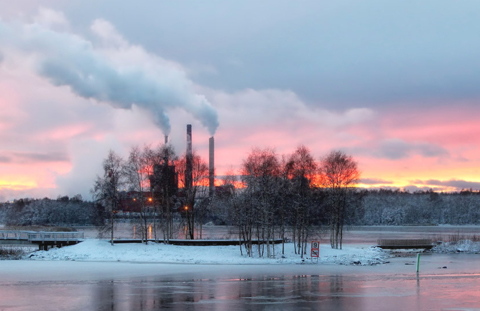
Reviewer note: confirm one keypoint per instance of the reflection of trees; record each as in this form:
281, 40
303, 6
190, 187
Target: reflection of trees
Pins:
263, 293
336, 284
104, 297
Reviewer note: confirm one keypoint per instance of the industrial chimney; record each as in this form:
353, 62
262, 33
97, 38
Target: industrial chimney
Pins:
211, 166
165, 159
189, 159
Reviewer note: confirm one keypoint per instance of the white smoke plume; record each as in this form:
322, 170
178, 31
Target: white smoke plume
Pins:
109, 69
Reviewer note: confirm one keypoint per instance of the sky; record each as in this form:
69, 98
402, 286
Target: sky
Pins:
394, 84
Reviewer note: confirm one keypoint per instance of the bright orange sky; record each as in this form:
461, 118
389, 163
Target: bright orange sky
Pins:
77, 80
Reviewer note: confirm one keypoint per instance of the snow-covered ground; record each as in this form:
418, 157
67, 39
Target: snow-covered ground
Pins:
101, 250
463, 246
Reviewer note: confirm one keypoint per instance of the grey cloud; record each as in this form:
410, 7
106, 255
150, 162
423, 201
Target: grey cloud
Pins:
374, 181
456, 183
398, 149
40, 157
413, 188
430, 151
5, 159
7, 194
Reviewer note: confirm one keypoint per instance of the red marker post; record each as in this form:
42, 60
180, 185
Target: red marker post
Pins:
315, 250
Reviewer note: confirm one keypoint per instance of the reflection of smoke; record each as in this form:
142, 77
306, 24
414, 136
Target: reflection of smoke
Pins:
120, 74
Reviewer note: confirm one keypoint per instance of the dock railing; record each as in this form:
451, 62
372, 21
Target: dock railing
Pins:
55, 236
14, 235
35, 236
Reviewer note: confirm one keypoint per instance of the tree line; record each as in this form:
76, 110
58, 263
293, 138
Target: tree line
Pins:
396, 207
63, 211
372, 207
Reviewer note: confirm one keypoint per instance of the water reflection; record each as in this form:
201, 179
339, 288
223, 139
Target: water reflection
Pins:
275, 292
267, 293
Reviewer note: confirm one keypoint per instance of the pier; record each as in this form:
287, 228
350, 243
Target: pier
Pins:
405, 243
43, 239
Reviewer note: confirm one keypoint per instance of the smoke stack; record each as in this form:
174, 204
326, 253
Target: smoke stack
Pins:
165, 159
189, 159
211, 165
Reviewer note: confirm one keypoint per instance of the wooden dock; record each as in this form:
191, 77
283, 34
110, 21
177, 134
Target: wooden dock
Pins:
405, 243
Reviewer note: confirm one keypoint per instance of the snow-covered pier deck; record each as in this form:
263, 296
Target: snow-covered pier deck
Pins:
43, 239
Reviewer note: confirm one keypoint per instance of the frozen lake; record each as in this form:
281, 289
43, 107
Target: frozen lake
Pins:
48, 285
87, 285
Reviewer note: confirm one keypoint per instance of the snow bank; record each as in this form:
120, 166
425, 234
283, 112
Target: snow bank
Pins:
101, 250
464, 246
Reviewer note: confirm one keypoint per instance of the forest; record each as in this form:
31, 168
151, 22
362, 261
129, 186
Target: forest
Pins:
63, 211
380, 207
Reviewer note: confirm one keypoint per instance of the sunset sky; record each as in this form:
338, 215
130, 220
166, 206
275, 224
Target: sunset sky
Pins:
395, 84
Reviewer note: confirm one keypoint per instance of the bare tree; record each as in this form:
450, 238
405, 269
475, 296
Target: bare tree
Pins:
106, 188
137, 173
338, 173
230, 178
261, 175
198, 188
163, 187
300, 170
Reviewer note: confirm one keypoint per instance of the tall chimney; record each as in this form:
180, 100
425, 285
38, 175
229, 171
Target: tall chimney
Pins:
211, 165
166, 151
189, 159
